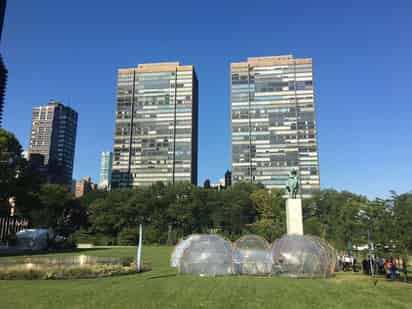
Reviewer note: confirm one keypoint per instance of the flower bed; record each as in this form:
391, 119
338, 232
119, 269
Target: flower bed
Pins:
66, 267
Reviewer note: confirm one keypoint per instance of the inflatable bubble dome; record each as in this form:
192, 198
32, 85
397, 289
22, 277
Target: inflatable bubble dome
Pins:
207, 255
179, 248
332, 255
300, 257
251, 256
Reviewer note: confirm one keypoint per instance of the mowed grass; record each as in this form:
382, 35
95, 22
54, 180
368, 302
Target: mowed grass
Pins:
163, 288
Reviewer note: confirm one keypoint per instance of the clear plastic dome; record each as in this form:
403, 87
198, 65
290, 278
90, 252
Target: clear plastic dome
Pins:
179, 248
330, 251
251, 256
207, 255
300, 256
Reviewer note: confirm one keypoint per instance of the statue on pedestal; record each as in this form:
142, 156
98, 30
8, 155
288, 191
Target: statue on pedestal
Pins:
294, 218
292, 186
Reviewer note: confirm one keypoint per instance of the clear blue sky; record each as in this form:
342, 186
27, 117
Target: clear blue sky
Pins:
362, 52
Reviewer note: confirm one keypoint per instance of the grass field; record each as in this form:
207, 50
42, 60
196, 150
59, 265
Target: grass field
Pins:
162, 288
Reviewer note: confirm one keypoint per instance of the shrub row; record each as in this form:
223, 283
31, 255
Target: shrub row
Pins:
71, 272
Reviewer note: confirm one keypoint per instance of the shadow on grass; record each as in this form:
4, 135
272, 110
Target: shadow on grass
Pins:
377, 279
162, 276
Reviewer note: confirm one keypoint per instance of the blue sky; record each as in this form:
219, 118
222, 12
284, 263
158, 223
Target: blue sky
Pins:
70, 51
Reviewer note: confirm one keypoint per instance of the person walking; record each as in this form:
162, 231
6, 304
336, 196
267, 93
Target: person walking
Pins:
393, 271
388, 266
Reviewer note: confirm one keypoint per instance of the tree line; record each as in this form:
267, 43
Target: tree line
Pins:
169, 212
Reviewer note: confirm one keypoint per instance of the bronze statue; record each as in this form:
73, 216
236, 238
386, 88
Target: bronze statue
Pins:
292, 186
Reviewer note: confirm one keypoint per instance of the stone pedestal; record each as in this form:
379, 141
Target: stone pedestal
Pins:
294, 219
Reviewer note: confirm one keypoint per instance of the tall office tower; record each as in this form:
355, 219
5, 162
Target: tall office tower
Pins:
3, 4
3, 83
156, 125
53, 135
3, 70
228, 178
106, 170
273, 122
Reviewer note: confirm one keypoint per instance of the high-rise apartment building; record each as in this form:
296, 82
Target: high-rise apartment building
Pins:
156, 125
53, 135
3, 70
274, 122
106, 170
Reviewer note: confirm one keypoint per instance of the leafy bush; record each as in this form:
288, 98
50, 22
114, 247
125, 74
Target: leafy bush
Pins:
127, 236
83, 236
152, 235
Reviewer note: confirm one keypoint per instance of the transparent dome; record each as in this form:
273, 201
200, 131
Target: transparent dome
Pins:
301, 256
179, 248
330, 251
207, 255
251, 256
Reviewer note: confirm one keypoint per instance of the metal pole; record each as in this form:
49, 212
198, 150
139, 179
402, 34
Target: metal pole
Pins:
139, 251
370, 253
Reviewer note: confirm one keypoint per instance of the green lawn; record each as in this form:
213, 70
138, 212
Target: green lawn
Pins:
162, 288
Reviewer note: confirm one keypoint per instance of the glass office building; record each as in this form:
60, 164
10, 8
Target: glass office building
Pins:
105, 170
3, 83
156, 125
274, 122
3, 70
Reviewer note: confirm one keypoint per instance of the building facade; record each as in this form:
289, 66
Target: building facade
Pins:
53, 135
3, 70
83, 186
228, 178
273, 122
3, 4
156, 125
3, 84
106, 170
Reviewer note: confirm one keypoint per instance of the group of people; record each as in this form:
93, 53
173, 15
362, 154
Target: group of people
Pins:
382, 266
391, 267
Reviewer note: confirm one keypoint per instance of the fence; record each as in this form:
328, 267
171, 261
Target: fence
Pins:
11, 225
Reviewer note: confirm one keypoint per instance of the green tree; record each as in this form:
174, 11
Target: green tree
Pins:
377, 220
108, 216
182, 208
17, 178
12, 166
270, 209
54, 202
402, 228
336, 217
237, 211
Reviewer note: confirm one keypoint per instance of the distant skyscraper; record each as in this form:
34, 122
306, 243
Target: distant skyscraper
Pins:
228, 178
156, 125
106, 170
274, 122
3, 4
3, 70
53, 135
3, 83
